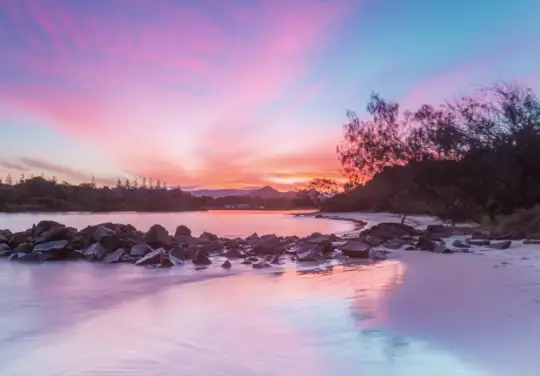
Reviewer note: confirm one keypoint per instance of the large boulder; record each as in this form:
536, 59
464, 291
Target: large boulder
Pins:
310, 252
382, 232
179, 253
233, 253
20, 237
5, 235
226, 265
356, 249
269, 245
505, 244
152, 258
182, 231
199, 257
5, 250
55, 250
208, 237
426, 244
59, 232
44, 226
157, 236
96, 252
115, 256
140, 250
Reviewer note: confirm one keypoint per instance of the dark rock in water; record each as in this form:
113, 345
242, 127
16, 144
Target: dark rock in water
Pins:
24, 247
356, 249
532, 241
15, 256
182, 231
501, 245
20, 237
128, 258
56, 233
323, 240
440, 248
378, 254
410, 248
54, 246
269, 244
44, 226
178, 252
227, 264
200, 267
261, 265
313, 252
233, 253
426, 244
275, 259
157, 235
382, 232
5, 250
246, 262
253, 239
200, 257
175, 261
460, 244
152, 258
140, 250
252, 259
394, 243
208, 237
30, 257
477, 242
115, 256
96, 252
5, 235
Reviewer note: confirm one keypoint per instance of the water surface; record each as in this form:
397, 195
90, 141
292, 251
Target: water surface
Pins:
227, 223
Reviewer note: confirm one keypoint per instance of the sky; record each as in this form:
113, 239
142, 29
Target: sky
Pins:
233, 93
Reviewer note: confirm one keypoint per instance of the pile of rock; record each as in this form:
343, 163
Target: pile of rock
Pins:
114, 243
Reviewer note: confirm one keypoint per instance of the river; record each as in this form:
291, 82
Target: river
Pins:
417, 314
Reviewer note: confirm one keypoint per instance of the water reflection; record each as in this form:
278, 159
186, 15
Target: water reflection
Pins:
87, 319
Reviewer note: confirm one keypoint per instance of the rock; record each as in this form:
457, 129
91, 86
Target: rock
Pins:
128, 258
182, 231
275, 259
44, 226
102, 231
15, 256
439, 248
313, 252
200, 267
178, 253
200, 257
501, 245
115, 256
95, 252
30, 257
385, 231
253, 239
377, 254
261, 265
157, 235
20, 237
175, 261
233, 253
246, 262
152, 258
208, 237
108, 238
54, 246
356, 249
269, 244
56, 233
531, 241
227, 264
426, 244
5, 235
442, 231
394, 243
140, 250
460, 244
325, 241
477, 242
252, 259
5, 250
410, 248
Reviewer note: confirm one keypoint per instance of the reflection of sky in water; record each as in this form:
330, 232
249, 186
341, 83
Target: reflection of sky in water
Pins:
96, 321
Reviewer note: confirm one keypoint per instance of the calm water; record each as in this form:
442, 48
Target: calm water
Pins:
419, 314
223, 223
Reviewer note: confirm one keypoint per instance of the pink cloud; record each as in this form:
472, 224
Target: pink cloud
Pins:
133, 87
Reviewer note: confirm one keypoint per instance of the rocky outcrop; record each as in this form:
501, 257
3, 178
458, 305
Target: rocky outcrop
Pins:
356, 249
157, 236
182, 231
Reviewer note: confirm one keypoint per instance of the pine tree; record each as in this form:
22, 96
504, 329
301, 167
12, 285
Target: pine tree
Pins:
22, 179
54, 180
127, 184
93, 182
42, 175
135, 183
165, 186
9, 180
158, 185
150, 183
119, 183
144, 182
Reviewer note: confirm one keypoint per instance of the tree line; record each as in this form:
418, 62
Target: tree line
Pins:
47, 194
465, 158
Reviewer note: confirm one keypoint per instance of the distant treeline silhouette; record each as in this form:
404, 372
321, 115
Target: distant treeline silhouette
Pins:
47, 194
470, 157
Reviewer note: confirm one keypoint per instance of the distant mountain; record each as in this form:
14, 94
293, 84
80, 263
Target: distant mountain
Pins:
264, 192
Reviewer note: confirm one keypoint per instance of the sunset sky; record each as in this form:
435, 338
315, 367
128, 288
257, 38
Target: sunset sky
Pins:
233, 93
